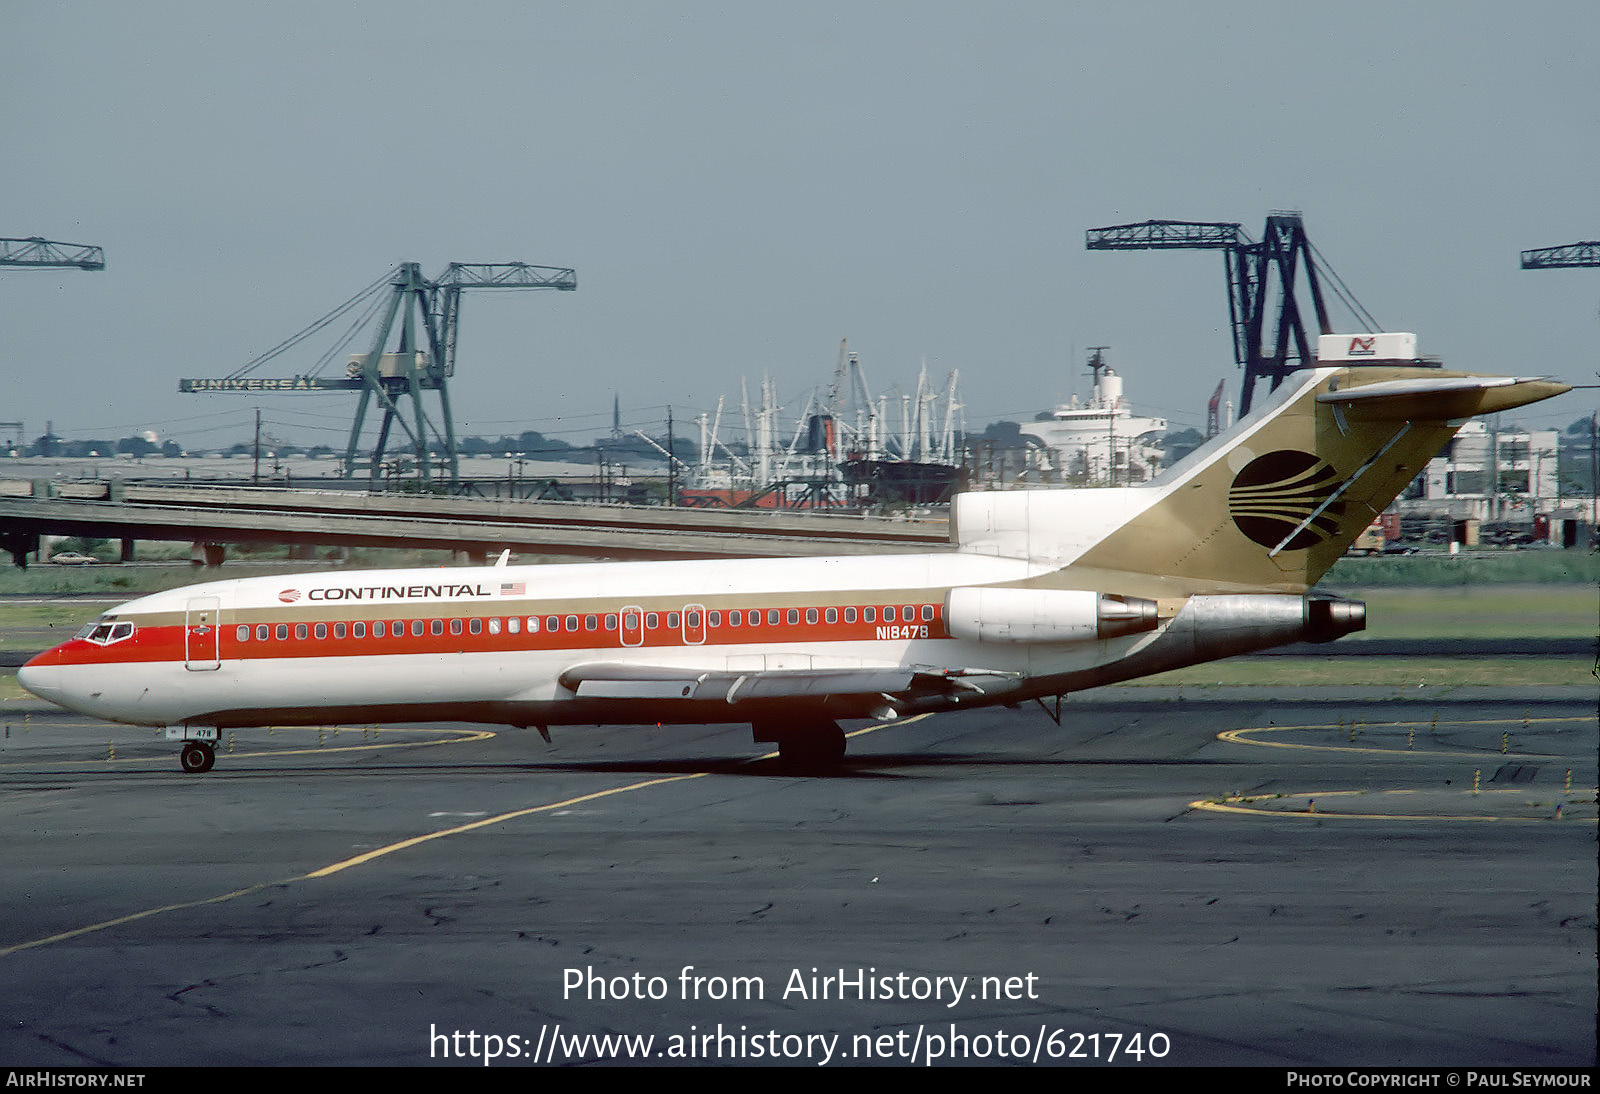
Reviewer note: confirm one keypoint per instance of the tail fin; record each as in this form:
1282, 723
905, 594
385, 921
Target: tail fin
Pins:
1272, 503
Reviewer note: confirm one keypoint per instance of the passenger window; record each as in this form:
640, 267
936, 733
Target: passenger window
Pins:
322, 630
416, 628
283, 632
494, 626
300, 630
359, 630
927, 612
849, 615
437, 626
455, 626
794, 616
611, 621
591, 622
533, 624
572, 622
652, 620
514, 624
338, 630
811, 615
773, 618
672, 621
263, 632
552, 623
869, 615
476, 626
714, 618
378, 629
243, 633
832, 615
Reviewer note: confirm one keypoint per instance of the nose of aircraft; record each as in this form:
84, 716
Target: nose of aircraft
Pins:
40, 675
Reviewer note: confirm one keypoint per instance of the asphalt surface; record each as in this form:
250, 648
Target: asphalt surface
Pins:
1063, 880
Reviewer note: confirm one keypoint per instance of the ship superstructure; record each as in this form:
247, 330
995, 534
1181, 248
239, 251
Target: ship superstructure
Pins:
1100, 441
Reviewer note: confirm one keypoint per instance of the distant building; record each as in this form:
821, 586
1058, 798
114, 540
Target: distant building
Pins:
1490, 475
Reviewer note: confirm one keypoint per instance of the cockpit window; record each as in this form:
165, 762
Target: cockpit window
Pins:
104, 633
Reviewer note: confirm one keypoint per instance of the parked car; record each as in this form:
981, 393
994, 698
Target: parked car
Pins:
73, 558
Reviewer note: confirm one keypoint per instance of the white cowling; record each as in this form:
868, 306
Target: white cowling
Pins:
988, 614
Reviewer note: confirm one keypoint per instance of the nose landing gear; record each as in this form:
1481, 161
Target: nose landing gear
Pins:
197, 757
199, 747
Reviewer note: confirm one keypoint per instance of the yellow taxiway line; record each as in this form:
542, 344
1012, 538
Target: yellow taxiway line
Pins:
401, 845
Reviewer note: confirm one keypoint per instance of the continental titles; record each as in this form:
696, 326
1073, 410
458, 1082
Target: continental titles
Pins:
397, 592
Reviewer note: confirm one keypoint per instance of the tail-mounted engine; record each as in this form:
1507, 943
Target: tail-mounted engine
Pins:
988, 614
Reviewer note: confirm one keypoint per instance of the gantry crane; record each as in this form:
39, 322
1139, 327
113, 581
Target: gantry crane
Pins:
423, 359
1251, 268
38, 253
43, 254
1586, 253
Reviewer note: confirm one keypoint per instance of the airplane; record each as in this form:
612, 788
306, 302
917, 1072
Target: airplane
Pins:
1048, 591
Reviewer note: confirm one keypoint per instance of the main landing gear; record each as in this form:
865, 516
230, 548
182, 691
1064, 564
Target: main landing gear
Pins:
804, 745
197, 757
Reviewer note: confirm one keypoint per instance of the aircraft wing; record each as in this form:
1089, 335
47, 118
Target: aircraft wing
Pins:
604, 680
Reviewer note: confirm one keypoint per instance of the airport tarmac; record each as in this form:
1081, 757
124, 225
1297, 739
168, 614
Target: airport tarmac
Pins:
1206, 876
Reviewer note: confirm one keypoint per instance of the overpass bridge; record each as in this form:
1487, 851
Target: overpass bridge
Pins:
212, 517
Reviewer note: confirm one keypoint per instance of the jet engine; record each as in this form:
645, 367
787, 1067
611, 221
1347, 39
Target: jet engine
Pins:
988, 614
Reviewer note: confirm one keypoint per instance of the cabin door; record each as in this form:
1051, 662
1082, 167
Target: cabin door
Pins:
633, 626
202, 634
694, 624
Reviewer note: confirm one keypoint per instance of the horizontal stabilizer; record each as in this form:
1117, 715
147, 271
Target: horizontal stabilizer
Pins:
1441, 398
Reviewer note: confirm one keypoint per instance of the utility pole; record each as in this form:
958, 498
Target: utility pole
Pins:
672, 464
256, 476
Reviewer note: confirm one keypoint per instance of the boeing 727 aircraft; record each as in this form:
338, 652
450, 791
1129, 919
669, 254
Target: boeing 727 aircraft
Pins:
1049, 592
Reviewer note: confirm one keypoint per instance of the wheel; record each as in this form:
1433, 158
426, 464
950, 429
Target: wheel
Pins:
813, 747
197, 757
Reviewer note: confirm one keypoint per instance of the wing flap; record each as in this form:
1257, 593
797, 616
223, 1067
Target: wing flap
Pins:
628, 681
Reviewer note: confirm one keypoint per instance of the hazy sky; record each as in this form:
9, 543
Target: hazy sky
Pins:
740, 185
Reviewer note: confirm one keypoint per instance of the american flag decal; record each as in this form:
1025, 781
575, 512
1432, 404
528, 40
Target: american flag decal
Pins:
513, 588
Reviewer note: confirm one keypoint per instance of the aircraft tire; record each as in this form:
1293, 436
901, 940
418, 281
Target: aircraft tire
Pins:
197, 758
818, 747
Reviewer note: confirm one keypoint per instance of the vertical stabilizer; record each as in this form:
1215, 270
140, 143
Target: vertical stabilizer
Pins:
1275, 501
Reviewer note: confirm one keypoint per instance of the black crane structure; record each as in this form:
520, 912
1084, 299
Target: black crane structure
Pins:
1254, 270
1567, 256
44, 254
423, 358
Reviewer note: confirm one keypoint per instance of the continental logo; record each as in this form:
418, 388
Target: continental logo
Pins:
398, 592
395, 592
1274, 495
